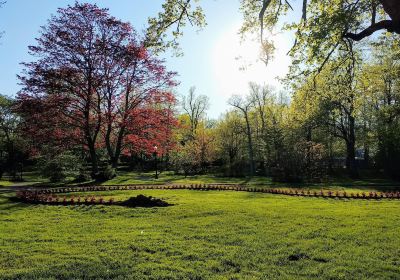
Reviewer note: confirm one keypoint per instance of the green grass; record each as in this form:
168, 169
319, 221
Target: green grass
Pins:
6, 183
205, 235
366, 183
129, 178
132, 178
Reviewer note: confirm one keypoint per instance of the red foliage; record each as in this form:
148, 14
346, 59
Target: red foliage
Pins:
151, 125
94, 84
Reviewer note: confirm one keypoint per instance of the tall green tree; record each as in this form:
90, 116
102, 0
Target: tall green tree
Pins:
380, 81
230, 143
244, 106
10, 145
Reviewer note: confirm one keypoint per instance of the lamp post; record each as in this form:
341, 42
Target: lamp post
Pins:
155, 160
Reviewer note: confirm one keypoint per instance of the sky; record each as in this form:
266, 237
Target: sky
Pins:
210, 56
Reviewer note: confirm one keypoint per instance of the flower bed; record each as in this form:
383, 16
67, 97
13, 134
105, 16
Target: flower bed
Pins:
47, 195
38, 197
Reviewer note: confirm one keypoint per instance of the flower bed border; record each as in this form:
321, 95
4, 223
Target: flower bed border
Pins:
39, 197
48, 195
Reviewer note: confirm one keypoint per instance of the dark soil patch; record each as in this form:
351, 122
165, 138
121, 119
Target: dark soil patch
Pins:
297, 257
144, 201
321, 260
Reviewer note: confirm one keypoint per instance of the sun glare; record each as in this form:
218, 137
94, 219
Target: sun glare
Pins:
236, 63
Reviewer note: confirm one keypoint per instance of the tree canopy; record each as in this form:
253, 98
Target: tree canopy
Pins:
324, 27
94, 83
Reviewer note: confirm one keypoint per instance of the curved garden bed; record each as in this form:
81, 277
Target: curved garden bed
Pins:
49, 195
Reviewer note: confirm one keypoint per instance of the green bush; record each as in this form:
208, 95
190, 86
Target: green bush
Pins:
303, 162
108, 173
83, 176
61, 166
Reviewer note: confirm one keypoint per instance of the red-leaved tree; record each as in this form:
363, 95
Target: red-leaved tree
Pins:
90, 73
151, 125
136, 84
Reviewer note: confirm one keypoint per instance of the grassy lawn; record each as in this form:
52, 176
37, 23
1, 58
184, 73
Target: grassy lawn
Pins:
6, 183
205, 235
129, 178
367, 183
132, 178
30, 178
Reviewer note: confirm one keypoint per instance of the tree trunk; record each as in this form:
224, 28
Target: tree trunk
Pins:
351, 164
231, 154
118, 148
366, 156
250, 145
351, 161
93, 158
392, 8
308, 133
110, 151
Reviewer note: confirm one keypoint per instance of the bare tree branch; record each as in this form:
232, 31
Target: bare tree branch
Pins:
261, 15
389, 25
304, 12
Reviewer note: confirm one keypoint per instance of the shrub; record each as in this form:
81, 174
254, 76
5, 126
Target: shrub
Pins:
301, 162
60, 167
108, 173
83, 176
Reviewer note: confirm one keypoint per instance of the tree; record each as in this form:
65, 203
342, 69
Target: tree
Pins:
140, 82
69, 69
195, 135
324, 27
244, 106
92, 71
362, 16
195, 107
380, 82
150, 125
352, 15
268, 124
230, 139
11, 146
337, 99
175, 15
204, 150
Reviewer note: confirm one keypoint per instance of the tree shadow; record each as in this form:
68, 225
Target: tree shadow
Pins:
8, 202
141, 201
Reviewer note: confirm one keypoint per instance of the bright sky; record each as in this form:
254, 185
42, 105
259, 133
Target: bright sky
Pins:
210, 62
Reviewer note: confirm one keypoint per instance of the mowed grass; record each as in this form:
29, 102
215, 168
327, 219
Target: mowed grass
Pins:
339, 183
134, 177
205, 235
169, 177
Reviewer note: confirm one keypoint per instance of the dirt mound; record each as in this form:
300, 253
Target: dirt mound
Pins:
144, 201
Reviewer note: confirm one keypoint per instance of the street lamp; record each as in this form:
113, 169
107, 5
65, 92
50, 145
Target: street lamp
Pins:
155, 160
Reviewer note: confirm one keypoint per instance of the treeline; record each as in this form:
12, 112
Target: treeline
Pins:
345, 117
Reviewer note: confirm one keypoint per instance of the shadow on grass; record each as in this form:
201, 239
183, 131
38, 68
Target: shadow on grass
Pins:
141, 201
7, 203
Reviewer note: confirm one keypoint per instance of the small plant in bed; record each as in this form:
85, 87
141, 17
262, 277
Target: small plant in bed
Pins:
144, 201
